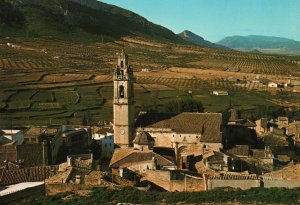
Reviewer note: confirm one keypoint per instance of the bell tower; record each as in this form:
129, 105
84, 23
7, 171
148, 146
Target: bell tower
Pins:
123, 102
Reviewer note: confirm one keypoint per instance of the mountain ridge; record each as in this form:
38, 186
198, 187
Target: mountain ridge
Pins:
191, 37
63, 17
261, 43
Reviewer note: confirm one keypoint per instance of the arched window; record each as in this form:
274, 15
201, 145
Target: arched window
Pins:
121, 91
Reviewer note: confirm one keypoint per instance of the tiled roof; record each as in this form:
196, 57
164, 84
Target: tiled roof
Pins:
206, 124
261, 153
143, 138
136, 156
120, 153
105, 130
239, 150
5, 141
31, 174
34, 131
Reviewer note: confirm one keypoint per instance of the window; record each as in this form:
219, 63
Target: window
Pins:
121, 91
122, 64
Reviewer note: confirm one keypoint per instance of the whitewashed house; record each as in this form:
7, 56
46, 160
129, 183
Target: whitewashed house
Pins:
105, 138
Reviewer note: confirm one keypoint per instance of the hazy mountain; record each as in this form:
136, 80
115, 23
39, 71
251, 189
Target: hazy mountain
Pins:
265, 44
196, 39
74, 17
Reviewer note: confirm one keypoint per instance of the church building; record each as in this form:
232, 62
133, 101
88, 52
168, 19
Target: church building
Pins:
189, 135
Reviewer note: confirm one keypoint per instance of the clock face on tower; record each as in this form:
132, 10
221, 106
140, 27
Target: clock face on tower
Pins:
122, 132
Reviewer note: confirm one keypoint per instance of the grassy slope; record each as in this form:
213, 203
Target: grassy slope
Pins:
131, 195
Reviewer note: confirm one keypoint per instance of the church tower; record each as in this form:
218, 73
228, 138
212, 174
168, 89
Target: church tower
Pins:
123, 102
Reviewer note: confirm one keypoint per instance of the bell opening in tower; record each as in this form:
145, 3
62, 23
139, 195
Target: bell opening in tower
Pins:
121, 91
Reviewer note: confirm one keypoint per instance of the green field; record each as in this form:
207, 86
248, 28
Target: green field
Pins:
93, 104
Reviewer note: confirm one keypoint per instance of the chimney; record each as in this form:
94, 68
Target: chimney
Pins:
153, 163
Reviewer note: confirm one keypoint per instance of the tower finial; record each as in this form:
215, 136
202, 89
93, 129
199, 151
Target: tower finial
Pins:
123, 49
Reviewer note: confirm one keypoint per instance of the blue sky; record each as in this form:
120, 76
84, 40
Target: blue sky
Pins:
216, 19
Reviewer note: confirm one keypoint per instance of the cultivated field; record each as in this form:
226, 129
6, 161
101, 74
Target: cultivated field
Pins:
48, 81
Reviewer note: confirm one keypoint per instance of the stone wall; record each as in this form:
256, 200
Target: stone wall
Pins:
241, 184
163, 179
281, 183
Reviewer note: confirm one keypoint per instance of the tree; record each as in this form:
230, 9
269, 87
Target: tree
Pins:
183, 105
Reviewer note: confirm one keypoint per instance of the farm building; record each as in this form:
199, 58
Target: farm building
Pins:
220, 92
272, 85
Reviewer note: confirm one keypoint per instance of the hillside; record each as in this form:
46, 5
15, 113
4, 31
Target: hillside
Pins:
264, 44
57, 59
75, 18
198, 40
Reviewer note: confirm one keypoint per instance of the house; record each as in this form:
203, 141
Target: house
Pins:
263, 155
261, 126
75, 140
293, 129
272, 85
104, 138
276, 138
14, 135
8, 151
49, 136
217, 161
240, 151
127, 162
220, 92
239, 132
282, 121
